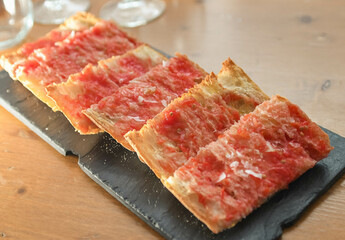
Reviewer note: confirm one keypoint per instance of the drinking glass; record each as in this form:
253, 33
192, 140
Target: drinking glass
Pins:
16, 20
56, 11
132, 13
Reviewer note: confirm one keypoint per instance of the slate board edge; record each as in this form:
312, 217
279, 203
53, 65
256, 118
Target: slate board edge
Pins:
35, 129
118, 197
290, 222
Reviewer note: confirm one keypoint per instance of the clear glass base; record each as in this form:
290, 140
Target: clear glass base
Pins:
12, 35
56, 11
132, 13
16, 20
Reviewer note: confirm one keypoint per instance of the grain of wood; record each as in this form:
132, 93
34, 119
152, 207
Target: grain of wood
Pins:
293, 48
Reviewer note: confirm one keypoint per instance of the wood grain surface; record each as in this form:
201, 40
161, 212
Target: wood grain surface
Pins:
293, 48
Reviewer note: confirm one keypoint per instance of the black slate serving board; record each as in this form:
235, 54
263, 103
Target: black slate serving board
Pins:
120, 172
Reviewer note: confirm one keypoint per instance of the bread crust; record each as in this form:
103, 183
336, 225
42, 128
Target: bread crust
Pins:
234, 79
191, 201
239, 81
80, 21
143, 143
104, 122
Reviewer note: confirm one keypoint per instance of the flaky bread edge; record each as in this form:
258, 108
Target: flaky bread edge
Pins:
52, 89
191, 201
239, 82
145, 147
103, 123
79, 21
32, 84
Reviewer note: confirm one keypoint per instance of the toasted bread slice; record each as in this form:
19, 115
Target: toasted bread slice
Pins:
197, 118
98, 81
258, 156
132, 105
55, 61
78, 22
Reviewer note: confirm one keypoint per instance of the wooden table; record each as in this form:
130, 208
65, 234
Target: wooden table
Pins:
294, 48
